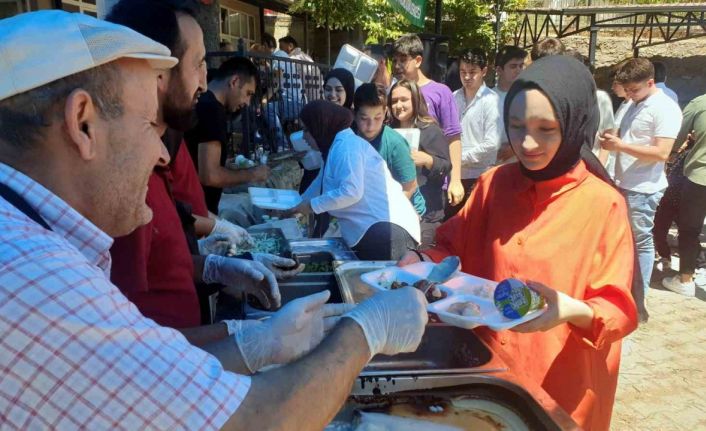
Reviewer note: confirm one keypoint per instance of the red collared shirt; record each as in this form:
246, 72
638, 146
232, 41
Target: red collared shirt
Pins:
153, 267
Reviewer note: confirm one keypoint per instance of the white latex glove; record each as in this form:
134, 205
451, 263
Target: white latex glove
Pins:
282, 267
243, 276
392, 321
235, 234
216, 244
290, 333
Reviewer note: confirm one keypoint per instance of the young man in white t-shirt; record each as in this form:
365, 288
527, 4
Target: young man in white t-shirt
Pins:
647, 134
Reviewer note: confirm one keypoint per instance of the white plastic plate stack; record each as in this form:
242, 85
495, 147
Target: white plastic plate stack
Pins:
361, 65
274, 199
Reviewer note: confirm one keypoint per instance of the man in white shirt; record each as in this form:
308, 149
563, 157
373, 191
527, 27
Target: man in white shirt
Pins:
480, 120
647, 134
509, 63
661, 80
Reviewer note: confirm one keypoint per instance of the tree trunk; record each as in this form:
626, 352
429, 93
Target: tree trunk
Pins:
208, 17
328, 45
328, 41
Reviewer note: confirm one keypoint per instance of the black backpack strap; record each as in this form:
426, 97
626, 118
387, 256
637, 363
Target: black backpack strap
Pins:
21, 204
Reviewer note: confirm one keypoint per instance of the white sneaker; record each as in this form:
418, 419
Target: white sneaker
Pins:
675, 285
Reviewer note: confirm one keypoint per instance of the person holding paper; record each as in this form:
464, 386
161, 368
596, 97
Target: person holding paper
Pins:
370, 110
431, 156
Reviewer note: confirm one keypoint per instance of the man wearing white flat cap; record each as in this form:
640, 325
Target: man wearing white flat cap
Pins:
79, 138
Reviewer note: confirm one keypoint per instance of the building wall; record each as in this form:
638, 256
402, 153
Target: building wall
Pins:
248, 9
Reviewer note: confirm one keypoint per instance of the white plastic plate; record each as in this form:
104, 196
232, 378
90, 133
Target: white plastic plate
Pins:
489, 315
274, 199
382, 278
460, 288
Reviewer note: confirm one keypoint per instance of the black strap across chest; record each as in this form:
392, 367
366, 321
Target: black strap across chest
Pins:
21, 204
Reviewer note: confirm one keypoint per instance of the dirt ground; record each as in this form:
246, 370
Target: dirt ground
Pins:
662, 384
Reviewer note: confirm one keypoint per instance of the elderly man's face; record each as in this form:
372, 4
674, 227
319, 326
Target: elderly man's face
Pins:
131, 149
188, 79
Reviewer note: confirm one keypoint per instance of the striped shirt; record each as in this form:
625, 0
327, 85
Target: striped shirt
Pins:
74, 352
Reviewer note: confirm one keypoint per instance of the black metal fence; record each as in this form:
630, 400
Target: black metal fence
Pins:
285, 85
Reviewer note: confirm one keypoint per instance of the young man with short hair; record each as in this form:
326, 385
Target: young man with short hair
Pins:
407, 63
547, 47
229, 91
509, 63
647, 134
370, 103
478, 108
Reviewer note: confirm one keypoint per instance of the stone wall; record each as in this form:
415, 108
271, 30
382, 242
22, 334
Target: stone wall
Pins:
685, 61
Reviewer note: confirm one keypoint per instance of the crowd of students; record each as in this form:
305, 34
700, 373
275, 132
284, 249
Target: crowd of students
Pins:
532, 179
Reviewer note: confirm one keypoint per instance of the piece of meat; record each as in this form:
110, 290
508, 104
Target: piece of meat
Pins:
398, 285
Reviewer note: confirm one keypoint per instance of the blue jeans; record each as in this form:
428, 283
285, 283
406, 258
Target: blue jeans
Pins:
642, 209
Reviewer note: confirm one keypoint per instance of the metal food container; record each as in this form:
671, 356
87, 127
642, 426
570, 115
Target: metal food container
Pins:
451, 364
330, 252
353, 289
284, 249
477, 402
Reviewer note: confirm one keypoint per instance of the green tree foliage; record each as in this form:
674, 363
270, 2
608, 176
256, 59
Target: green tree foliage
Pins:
467, 23
331, 14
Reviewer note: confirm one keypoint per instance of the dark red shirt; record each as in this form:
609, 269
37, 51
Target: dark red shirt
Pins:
153, 266
185, 185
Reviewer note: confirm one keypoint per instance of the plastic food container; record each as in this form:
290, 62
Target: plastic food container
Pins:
274, 199
514, 299
312, 160
361, 65
463, 289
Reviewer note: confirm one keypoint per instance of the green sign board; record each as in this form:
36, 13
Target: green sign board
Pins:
413, 10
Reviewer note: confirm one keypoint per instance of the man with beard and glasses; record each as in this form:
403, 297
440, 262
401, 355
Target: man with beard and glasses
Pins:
80, 133
167, 274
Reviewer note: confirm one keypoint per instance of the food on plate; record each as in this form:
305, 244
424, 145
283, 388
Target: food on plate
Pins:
466, 309
384, 280
514, 299
431, 290
398, 284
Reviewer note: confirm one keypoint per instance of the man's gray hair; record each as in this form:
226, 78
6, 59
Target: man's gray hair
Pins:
23, 116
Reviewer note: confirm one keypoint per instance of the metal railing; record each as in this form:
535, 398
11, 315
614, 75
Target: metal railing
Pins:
285, 85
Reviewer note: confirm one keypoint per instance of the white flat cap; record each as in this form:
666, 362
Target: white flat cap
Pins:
37, 48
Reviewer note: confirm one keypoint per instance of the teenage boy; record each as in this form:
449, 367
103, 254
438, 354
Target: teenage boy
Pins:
370, 103
647, 134
478, 108
407, 64
509, 63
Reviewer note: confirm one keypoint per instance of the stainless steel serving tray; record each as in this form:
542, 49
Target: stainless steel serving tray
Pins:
444, 350
336, 246
525, 408
353, 289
